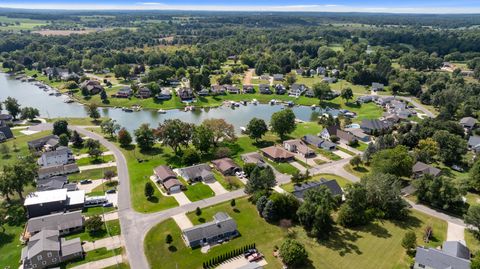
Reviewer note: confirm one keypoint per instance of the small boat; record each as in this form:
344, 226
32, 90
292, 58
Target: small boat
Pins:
188, 108
255, 101
58, 94
314, 107
244, 102
161, 111
273, 102
237, 104
68, 101
126, 109
136, 108
51, 93
243, 129
290, 104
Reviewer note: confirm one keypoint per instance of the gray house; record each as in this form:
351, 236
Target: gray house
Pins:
55, 183
5, 133
42, 203
223, 227
253, 157
57, 170
453, 255
199, 172
49, 141
265, 89
371, 126
45, 249
318, 142
60, 156
420, 169
468, 123
332, 185
474, 143
64, 223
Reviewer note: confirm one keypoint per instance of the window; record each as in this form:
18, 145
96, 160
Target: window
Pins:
49, 254
39, 257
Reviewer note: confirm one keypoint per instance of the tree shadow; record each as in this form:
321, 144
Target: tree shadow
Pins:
374, 229
324, 104
263, 144
129, 147
236, 210
6, 238
409, 222
152, 151
172, 248
201, 220
342, 241
6, 156
153, 199
360, 169
98, 234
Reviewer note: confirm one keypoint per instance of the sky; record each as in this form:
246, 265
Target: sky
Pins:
388, 6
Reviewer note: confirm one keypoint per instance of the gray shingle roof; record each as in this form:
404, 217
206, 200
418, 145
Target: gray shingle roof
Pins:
438, 259
43, 241
424, 168
53, 183
37, 143
468, 121
374, 124
473, 141
456, 249
71, 246
200, 170
221, 224
6, 131
59, 221
332, 185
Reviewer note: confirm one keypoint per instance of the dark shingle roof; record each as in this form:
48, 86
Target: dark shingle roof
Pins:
38, 143
200, 170
164, 172
374, 124
221, 224
6, 131
435, 258
424, 168
53, 183
58, 221
332, 185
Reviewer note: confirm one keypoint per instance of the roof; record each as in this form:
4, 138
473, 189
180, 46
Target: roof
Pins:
252, 157
332, 185
53, 183
313, 139
301, 147
277, 152
41, 197
40, 142
435, 258
57, 169
457, 249
164, 172
46, 240
222, 223
374, 124
335, 130
58, 152
199, 170
6, 117
58, 221
468, 121
357, 132
6, 131
76, 197
71, 246
172, 183
225, 164
473, 141
424, 168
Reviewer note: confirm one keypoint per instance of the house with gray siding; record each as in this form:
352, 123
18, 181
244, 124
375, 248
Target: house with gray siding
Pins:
332, 185
60, 156
64, 223
223, 227
195, 173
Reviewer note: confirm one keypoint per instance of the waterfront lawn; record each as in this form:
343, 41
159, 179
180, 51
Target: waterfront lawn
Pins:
198, 191
95, 255
90, 174
97, 210
113, 227
78, 121
340, 180
20, 143
359, 171
346, 248
99, 160
306, 128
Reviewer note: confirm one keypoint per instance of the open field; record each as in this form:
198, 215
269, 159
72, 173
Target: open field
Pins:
346, 248
19, 24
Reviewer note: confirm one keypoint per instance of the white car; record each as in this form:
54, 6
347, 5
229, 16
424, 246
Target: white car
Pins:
240, 174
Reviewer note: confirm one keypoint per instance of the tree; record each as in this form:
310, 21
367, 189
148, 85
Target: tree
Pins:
60, 127
256, 128
395, 161
290, 79
202, 138
174, 133
124, 138
77, 140
144, 137
356, 161
63, 140
315, 212
109, 126
149, 190
12, 106
321, 90
168, 239
426, 150
260, 179
452, 147
283, 122
109, 174
475, 261
347, 94
190, 156
198, 211
222, 131
409, 241
121, 71
20, 174
473, 218
293, 253
92, 111
269, 212
233, 203
6, 186
29, 113
474, 178
94, 150
94, 224
260, 204
440, 192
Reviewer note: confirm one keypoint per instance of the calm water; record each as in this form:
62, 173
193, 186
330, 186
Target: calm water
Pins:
52, 107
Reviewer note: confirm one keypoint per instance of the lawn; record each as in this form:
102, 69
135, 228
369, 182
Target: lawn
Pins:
306, 128
78, 121
90, 174
99, 160
346, 248
346, 151
327, 154
230, 183
100, 190
198, 191
472, 243
91, 211
113, 229
20, 24
359, 171
119, 266
10, 246
95, 255
284, 168
340, 180
360, 146
20, 143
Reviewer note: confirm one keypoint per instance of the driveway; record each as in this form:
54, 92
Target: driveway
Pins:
96, 166
341, 154
297, 165
89, 187
80, 156
217, 188
110, 216
181, 198
108, 262
109, 243
182, 221
455, 232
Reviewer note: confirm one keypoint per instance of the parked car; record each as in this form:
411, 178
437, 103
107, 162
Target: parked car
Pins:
255, 257
249, 252
240, 174
457, 168
107, 205
111, 191
86, 181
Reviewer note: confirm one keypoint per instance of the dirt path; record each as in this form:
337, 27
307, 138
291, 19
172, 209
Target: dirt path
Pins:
247, 79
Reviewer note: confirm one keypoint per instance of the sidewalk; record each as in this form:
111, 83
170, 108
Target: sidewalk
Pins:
80, 156
109, 243
101, 263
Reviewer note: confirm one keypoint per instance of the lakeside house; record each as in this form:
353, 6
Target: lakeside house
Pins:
48, 142
277, 77
197, 173
5, 133
41, 203
319, 142
330, 131
144, 93
232, 89
91, 86
468, 123
280, 89
452, 255
474, 143
359, 134
165, 176
296, 90
298, 146
226, 166
248, 89
329, 80
164, 94
60, 156
185, 94
265, 89
125, 92
64, 222
46, 249
420, 169
222, 228
377, 86
375, 126
218, 90
278, 154
253, 157
300, 190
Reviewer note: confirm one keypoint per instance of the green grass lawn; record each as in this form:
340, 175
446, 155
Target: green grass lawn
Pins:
198, 191
95, 255
327, 154
346, 151
99, 160
361, 146
230, 183
90, 174
20, 143
10, 246
113, 227
346, 248
18, 24
340, 180
306, 128
472, 242
359, 171
78, 121
91, 211
119, 266
100, 190
284, 168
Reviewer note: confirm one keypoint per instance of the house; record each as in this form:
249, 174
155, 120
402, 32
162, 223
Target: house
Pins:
248, 89
218, 90
373, 126
321, 70
474, 143
164, 94
6, 118
226, 166
366, 99
318, 142
329, 80
280, 89
359, 134
298, 146
47, 142
125, 92
60, 156
332, 185
330, 131
185, 94
384, 100
468, 123
167, 178
55, 183
453, 255
199, 172
377, 86
253, 157
299, 71
232, 89
310, 93
277, 77
144, 93
91, 86
57, 170
5, 133
46, 202
64, 223
45, 250
335, 72
203, 92
223, 227
297, 90
265, 89
420, 169
277, 154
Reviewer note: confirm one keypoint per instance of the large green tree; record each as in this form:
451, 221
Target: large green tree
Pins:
396, 161
12, 106
315, 212
283, 122
256, 128
174, 133
293, 253
144, 137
